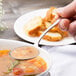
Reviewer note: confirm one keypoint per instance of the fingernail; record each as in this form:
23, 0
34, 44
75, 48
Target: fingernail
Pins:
62, 26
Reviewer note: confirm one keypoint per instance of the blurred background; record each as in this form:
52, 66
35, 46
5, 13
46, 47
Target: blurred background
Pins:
15, 8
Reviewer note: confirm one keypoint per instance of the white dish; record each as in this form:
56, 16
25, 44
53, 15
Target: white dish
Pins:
21, 21
11, 44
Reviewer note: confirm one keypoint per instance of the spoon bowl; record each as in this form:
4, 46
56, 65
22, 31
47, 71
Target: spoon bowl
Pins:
24, 53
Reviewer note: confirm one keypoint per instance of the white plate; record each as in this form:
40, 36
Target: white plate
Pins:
21, 21
11, 44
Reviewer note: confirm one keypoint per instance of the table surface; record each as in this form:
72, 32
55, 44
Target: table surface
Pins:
15, 8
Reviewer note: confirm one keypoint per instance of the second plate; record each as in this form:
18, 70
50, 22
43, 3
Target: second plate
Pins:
19, 29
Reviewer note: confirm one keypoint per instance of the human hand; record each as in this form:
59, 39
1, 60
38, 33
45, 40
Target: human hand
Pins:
68, 21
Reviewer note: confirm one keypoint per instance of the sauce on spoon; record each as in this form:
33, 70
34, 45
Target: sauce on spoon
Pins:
24, 53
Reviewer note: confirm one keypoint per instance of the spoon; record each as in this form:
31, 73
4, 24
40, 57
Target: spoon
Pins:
42, 35
27, 50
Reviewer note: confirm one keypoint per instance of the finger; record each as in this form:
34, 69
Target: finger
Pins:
64, 24
72, 28
67, 11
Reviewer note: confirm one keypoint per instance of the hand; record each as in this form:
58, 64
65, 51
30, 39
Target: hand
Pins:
68, 14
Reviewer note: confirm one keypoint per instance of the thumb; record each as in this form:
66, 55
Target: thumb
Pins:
67, 11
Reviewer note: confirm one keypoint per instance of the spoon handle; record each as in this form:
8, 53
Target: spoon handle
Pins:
42, 35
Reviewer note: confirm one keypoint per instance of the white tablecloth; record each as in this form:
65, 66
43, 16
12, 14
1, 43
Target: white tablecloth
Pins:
63, 60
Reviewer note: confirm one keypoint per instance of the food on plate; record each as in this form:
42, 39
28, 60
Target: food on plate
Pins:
25, 52
12, 67
33, 26
51, 36
51, 15
36, 26
56, 29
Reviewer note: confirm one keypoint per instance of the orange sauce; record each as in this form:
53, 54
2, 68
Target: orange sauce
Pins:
4, 52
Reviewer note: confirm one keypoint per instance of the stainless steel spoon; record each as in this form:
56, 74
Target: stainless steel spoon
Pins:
51, 26
37, 42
